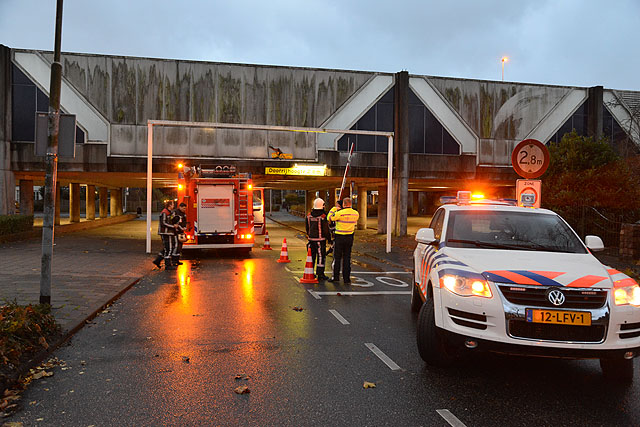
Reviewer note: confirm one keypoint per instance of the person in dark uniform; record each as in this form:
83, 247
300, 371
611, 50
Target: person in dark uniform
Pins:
166, 231
332, 225
317, 228
180, 218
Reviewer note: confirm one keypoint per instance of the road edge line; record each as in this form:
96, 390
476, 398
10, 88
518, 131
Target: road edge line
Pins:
385, 359
339, 316
450, 418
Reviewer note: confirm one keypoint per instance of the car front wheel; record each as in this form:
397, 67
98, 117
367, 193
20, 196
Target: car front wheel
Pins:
432, 346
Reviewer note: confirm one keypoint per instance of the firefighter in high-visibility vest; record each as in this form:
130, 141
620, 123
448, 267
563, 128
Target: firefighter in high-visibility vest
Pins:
346, 220
318, 233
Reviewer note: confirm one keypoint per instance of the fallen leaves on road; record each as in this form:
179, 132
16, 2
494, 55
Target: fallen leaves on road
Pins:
185, 359
298, 308
242, 377
243, 389
12, 424
367, 384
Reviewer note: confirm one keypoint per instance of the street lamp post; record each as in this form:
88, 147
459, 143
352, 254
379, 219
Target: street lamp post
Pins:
504, 59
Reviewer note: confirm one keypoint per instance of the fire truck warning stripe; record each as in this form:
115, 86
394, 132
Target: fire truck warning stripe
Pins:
586, 281
515, 277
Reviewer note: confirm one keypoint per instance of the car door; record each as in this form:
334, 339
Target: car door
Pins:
423, 251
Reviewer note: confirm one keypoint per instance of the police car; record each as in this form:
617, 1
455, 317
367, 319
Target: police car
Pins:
489, 275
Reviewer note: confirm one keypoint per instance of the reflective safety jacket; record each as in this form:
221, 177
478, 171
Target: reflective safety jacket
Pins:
180, 218
317, 226
346, 220
165, 225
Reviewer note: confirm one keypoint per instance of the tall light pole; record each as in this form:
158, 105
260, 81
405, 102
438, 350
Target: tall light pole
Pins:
504, 59
51, 170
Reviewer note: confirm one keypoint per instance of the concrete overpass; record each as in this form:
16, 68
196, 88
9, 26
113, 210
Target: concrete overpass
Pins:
449, 133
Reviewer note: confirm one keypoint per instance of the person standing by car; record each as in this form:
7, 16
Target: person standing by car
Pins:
181, 215
346, 220
317, 228
166, 231
332, 225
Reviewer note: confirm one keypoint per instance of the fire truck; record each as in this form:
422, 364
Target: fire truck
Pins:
219, 207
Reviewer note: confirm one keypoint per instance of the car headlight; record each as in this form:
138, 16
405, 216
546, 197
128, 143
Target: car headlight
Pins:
466, 287
627, 295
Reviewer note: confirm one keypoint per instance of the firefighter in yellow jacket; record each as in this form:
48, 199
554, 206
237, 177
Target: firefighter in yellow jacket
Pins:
346, 220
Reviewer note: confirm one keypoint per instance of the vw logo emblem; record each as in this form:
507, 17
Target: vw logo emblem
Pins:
556, 297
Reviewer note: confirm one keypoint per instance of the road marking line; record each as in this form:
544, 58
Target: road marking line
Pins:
356, 293
314, 293
450, 418
386, 359
358, 272
339, 317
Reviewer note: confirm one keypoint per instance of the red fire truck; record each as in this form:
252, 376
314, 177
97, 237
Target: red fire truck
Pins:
219, 207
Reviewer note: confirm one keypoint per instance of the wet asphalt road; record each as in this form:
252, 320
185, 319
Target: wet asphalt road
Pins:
234, 315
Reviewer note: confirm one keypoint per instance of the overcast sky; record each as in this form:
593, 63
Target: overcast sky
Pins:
570, 42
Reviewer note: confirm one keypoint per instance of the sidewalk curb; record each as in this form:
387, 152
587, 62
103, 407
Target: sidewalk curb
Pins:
384, 260
44, 354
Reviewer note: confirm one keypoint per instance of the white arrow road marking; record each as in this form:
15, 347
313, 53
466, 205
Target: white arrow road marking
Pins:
386, 359
339, 317
450, 418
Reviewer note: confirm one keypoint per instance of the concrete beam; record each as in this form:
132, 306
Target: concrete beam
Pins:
104, 202
26, 197
362, 208
113, 205
7, 179
91, 203
401, 154
74, 202
382, 209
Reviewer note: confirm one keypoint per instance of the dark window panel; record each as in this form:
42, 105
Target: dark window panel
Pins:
385, 117
579, 124
18, 77
389, 96
23, 113
368, 121
382, 144
433, 134
366, 143
416, 129
449, 145
43, 101
79, 136
582, 110
342, 143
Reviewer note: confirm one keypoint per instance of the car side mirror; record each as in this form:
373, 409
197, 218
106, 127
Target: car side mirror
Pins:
426, 236
594, 243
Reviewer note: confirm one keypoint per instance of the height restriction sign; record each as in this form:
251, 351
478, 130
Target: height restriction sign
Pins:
530, 158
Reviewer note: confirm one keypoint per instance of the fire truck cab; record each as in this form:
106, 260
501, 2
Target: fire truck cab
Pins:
219, 207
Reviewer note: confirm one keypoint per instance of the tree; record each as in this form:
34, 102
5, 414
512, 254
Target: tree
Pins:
586, 172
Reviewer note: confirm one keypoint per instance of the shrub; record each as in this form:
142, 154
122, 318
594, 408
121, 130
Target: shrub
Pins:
10, 224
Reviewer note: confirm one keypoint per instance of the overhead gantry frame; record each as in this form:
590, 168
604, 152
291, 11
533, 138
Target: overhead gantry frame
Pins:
152, 123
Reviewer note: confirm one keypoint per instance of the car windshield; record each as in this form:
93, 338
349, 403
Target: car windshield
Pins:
511, 230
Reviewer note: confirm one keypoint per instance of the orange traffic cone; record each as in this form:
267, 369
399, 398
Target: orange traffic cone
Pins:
284, 254
267, 245
308, 276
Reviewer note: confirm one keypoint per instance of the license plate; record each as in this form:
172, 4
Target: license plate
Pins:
580, 318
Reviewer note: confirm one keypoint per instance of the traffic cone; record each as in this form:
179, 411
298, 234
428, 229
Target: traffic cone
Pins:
267, 245
308, 276
284, 254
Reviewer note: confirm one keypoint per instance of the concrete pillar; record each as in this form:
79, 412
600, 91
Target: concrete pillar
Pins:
119, 202
362, 208
311, 196
103, 206
91, 202
57, 211
595, 112
415, 205
401, 154
74, 202
7, 179
26, 197
423, 203
113, 197
382, 209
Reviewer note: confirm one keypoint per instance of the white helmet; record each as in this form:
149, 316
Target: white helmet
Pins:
318, 203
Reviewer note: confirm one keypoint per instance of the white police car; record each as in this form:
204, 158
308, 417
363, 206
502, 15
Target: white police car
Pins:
497, 277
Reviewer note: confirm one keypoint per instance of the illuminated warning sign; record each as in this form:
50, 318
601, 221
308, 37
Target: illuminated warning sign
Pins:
529, 193
300, 170
214, 203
